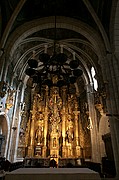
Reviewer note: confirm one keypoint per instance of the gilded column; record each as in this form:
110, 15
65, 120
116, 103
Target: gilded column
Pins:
32, 136
76, 113
64, 124
45, 124
32, 133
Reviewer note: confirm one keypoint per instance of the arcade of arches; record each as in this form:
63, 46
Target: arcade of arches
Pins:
80, 121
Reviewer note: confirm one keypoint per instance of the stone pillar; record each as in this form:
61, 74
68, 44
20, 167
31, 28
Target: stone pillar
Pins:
2, 138
113, 104
111, 74
2, 63
18, 125
114, 127
9, 154
94, 129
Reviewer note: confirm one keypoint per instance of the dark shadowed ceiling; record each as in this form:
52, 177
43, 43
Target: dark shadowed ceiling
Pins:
94, 14
33, 9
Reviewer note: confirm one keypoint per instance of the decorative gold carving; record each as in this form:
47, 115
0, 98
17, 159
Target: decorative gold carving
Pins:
39, 135
70, 130
53, 128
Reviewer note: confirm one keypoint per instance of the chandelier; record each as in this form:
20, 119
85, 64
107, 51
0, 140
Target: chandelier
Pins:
56, 65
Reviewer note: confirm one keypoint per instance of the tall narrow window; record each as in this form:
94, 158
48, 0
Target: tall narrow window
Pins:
94, 79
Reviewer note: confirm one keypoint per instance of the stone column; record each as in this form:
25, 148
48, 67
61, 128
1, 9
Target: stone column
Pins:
113, 106
9, 154
2, 63
111, 74
114, 127
94, 129
18, 125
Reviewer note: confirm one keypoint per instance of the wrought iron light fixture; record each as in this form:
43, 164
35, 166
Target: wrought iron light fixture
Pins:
66, 70
56, 65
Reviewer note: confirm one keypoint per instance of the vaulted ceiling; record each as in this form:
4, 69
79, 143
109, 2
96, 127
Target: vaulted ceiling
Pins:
82, 10
83, 27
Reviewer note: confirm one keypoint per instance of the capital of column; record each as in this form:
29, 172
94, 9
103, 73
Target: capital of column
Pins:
89, 88
76, 112
46, 113
33, 117
63, 111
47, 90
99, 107
33, 111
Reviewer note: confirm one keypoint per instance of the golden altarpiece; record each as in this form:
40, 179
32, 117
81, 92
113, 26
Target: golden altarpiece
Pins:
54, 127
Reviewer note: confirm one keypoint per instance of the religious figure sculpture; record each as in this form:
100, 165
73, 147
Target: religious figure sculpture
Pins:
70, 134
38, 135
70, 130
52, 129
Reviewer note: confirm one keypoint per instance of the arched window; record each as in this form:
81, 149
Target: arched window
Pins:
94, 79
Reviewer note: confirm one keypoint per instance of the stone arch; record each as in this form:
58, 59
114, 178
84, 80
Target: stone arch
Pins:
48, 22
62, 22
